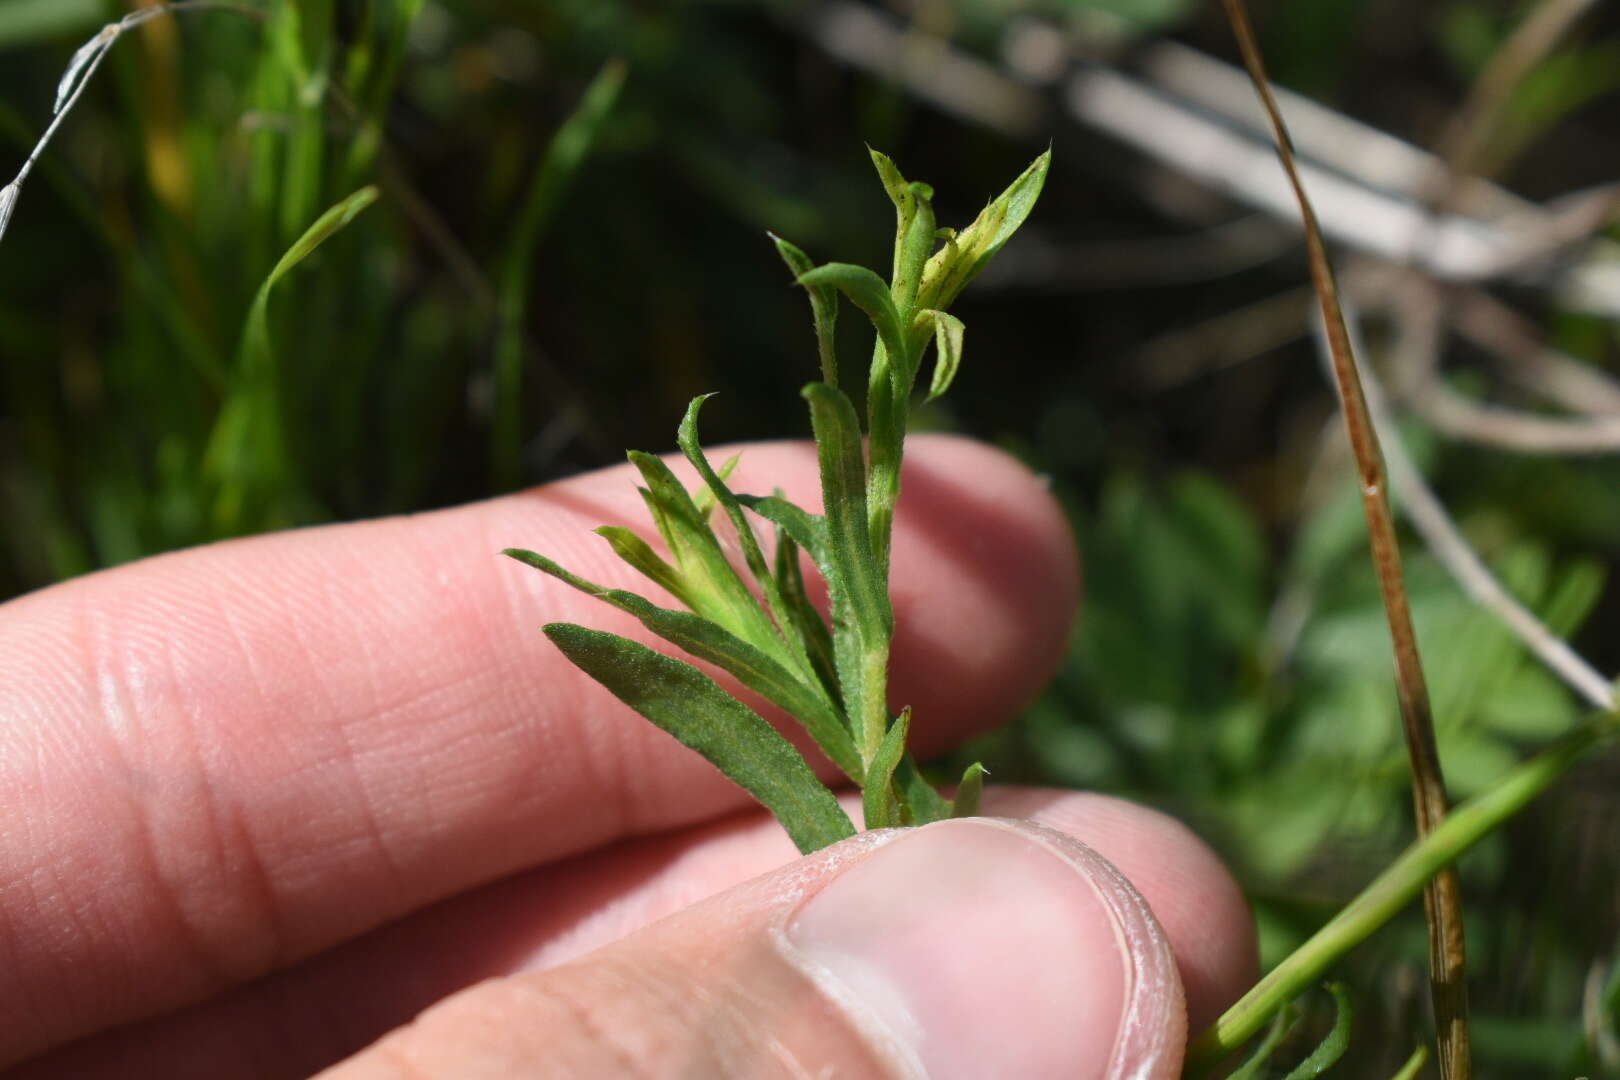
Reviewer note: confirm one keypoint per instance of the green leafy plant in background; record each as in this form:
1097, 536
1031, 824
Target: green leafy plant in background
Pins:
832, 679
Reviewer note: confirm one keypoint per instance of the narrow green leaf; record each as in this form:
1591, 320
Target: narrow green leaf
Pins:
1414, 1065
639, 554
868, 292
246, 457
914, 227
862, 617
687, 438
843, 493
1333, 1047
690, 706
881, 805
713, 588
823, 308
969, 791
898, 187
953, 266
807, 530
913, 244
660, 517
919, 802
1254, 1066
812, 632
707, 641
948, 332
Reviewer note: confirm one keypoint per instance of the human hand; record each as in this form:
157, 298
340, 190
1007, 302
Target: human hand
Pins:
268, 800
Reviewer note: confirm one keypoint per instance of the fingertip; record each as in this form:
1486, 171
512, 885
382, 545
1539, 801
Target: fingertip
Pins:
1193, 895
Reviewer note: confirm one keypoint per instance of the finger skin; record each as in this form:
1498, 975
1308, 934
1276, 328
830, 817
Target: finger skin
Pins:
1020, 953
299, 1021
220, 762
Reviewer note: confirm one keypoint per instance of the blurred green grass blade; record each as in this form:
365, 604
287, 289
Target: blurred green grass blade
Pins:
27, 22
1413, 1066
877, 793
823, 308
970, 792
1254, 1066
690, 706
559, 166
707, 641
1332, 1048
246, 455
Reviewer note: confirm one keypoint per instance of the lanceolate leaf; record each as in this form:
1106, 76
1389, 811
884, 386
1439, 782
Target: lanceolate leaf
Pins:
706, 641
713, 588
691, 706
955, 265
914, 228
969, 791
843, 480
861, 613
882, 807
687, 437
823, 308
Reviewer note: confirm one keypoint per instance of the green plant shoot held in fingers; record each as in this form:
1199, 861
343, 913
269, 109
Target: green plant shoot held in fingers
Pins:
832, 679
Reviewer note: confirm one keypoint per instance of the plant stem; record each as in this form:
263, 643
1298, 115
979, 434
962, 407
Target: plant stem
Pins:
1442, 897
1392, 890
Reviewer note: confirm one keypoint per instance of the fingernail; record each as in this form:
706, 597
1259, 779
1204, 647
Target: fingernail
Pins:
978, 948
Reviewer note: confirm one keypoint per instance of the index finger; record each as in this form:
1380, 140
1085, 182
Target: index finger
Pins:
221, 761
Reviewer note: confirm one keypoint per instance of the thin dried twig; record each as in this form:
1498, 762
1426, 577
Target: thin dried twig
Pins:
1420, 505
1442, 895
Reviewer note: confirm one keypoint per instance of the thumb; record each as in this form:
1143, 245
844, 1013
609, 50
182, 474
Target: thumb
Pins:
973, 948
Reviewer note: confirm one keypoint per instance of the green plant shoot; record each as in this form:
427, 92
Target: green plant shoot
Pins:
832, 679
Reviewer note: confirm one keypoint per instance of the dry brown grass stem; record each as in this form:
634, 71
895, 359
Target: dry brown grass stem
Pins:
1442, 897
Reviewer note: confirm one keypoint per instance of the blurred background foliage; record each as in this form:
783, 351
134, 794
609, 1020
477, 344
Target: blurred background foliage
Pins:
569, 243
